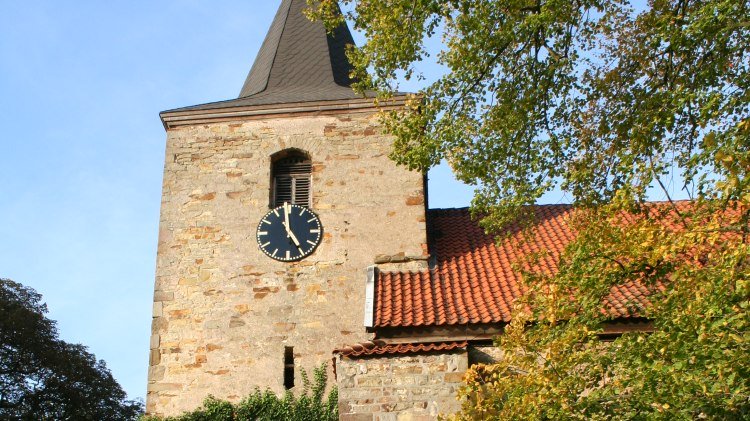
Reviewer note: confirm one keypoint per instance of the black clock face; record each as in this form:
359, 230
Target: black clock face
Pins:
289, 233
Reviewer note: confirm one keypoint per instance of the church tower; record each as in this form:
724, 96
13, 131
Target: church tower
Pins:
274, 205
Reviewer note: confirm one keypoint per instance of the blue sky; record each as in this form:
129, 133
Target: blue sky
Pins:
82, 148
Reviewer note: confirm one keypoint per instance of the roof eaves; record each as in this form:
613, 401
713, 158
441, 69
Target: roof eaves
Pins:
191, 115
381, 348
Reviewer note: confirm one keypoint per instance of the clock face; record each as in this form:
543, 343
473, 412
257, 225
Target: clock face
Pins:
289, 233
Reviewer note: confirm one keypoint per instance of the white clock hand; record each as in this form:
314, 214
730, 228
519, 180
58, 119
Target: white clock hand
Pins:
289, 232
286, 219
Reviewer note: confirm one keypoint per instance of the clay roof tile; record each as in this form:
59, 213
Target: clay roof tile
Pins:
382, 348
475, 279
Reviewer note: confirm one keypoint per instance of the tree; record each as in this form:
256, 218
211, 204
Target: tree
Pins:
45, 378
608, 101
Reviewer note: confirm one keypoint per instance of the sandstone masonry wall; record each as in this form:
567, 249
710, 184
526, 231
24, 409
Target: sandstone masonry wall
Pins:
484, 354
399, 388
223, 311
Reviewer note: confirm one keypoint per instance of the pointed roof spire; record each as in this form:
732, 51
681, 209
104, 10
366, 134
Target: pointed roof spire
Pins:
299, 61
300, 56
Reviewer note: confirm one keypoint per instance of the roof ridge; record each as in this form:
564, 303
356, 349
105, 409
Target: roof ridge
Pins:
565, 205
536, 205
448, 209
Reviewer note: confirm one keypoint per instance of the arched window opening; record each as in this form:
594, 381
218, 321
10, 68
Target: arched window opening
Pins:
291, 179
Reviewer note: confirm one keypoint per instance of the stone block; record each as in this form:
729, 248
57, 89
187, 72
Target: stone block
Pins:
160, 387
408, 369
156, 373
415, 417
355, 417
213, 347
417, 199
454, 377
368, 381
284, 327
178, 314
214, 324
163, 296
236, 322
154, 357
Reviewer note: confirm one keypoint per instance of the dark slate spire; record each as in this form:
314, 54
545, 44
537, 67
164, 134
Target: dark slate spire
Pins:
299, 55
299, 61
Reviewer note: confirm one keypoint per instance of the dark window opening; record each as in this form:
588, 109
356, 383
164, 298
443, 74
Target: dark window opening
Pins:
288, 367
291, 179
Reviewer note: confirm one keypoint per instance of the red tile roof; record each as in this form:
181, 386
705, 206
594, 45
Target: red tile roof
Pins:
475, 280
379, 347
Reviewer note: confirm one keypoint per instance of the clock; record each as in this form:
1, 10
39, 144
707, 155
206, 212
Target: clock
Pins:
289, 233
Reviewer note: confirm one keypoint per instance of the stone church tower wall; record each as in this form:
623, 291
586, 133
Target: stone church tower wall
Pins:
223, 311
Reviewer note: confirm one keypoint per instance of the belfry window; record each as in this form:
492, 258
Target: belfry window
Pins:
291, 179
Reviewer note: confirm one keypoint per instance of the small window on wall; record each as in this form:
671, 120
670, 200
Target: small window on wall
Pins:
291, 179
288, 367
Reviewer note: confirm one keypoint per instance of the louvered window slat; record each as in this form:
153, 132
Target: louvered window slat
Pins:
292, 181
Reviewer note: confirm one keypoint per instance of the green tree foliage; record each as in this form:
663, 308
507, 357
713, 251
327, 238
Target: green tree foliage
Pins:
45, 378
694, 365
609, 101
311, 405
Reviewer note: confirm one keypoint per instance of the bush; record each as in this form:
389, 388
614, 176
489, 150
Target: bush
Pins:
311, 405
